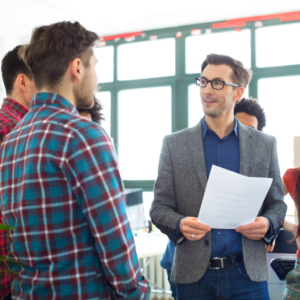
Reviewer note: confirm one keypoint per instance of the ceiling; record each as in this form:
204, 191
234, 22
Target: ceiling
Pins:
19, 17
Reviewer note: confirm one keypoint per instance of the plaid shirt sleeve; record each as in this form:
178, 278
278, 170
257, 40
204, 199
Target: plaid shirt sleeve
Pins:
94, 176
5, 277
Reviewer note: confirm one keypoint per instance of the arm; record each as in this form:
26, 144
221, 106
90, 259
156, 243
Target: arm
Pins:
163, 210
96, 182
285, 190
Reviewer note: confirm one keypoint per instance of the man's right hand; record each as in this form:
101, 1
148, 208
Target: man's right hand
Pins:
190, 225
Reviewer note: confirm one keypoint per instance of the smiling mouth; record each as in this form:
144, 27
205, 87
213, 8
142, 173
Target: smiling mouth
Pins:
209, 101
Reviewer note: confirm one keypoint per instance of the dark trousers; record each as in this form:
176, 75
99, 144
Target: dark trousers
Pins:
230, 283
8, 297
173, 285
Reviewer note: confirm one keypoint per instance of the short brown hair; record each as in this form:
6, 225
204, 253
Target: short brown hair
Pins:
53, 47
240, 75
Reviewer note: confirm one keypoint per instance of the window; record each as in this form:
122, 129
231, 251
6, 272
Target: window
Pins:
105, 64
234, 44
282, 105
278, 45
146, 59
154, 94
144, 119
105, 101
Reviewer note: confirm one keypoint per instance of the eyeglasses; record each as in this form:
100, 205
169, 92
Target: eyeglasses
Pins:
216, 84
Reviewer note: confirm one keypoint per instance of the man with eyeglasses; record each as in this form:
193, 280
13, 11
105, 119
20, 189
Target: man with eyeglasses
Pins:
217, 263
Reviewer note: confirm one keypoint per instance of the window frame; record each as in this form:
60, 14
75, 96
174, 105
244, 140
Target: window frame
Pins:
180, 81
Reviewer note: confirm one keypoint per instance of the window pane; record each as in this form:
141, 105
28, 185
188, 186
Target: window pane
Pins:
148, 199
146, 59
195, 110
233, 43
104, 100
105, 64
281, 106
144, 119
278, 45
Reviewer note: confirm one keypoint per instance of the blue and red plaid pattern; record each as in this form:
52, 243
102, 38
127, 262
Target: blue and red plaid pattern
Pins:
61, 190
11, 113
292, 289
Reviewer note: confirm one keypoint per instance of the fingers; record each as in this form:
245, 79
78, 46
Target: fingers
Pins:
251, 226
268, 248
196, 237
190, 228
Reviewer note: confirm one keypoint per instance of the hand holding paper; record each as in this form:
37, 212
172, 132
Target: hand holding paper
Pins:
232, 200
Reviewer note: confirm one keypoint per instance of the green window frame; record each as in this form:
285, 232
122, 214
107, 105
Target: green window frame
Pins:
180, 82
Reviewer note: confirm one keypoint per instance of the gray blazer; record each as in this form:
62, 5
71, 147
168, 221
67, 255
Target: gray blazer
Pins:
179, 190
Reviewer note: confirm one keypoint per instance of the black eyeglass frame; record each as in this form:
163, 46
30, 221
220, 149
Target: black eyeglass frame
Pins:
211, 83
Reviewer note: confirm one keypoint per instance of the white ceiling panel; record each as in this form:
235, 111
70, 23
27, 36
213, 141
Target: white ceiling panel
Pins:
110, 17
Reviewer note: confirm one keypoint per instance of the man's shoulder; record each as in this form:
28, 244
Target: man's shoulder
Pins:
185, 132
259, 135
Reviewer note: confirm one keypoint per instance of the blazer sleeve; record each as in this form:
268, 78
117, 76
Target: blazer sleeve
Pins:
163, 210
274, 207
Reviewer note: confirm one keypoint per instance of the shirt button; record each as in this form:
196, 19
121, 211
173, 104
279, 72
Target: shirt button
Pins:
220, 141
220, 162
219, 233
206, 242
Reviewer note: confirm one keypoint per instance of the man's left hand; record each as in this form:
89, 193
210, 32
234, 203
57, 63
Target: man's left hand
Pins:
256, 230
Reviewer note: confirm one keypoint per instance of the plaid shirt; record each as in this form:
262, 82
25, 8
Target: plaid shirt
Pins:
11, 113
61, 190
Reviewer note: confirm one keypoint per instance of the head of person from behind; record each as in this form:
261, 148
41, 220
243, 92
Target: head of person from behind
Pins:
222, 83
17, 78
250, 113
62, 60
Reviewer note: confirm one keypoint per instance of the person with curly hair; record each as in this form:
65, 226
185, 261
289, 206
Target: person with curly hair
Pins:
250, 113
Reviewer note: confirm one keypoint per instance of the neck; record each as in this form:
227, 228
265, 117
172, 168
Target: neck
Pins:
18, 97
67, 93
221, 125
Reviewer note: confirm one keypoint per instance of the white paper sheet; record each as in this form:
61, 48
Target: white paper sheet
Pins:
231, 200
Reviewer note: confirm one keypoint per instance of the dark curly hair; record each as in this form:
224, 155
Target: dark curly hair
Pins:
251, 107
95, 111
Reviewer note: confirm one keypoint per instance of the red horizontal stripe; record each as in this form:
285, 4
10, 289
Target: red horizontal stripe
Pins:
291, 16
120, 36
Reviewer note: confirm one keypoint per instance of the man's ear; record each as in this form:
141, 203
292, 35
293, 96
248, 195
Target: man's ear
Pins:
238, 94
21, 82
77, 70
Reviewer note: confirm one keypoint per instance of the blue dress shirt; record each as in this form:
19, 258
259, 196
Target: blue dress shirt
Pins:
224, 153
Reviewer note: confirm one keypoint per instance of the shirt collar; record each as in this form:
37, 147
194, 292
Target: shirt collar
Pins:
15, 107
51, 98
205, 128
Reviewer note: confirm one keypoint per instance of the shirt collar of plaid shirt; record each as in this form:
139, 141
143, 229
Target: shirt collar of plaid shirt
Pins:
13, 106
51, 98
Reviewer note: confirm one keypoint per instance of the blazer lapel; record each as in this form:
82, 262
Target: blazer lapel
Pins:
247, 145
194, 142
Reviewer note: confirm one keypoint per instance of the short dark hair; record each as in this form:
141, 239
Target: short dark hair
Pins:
13, 65
240, 75
251, 107
95, 111
53, 47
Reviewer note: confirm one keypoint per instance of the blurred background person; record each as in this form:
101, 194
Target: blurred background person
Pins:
19, 87
94, 113
250, 113
291, 185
